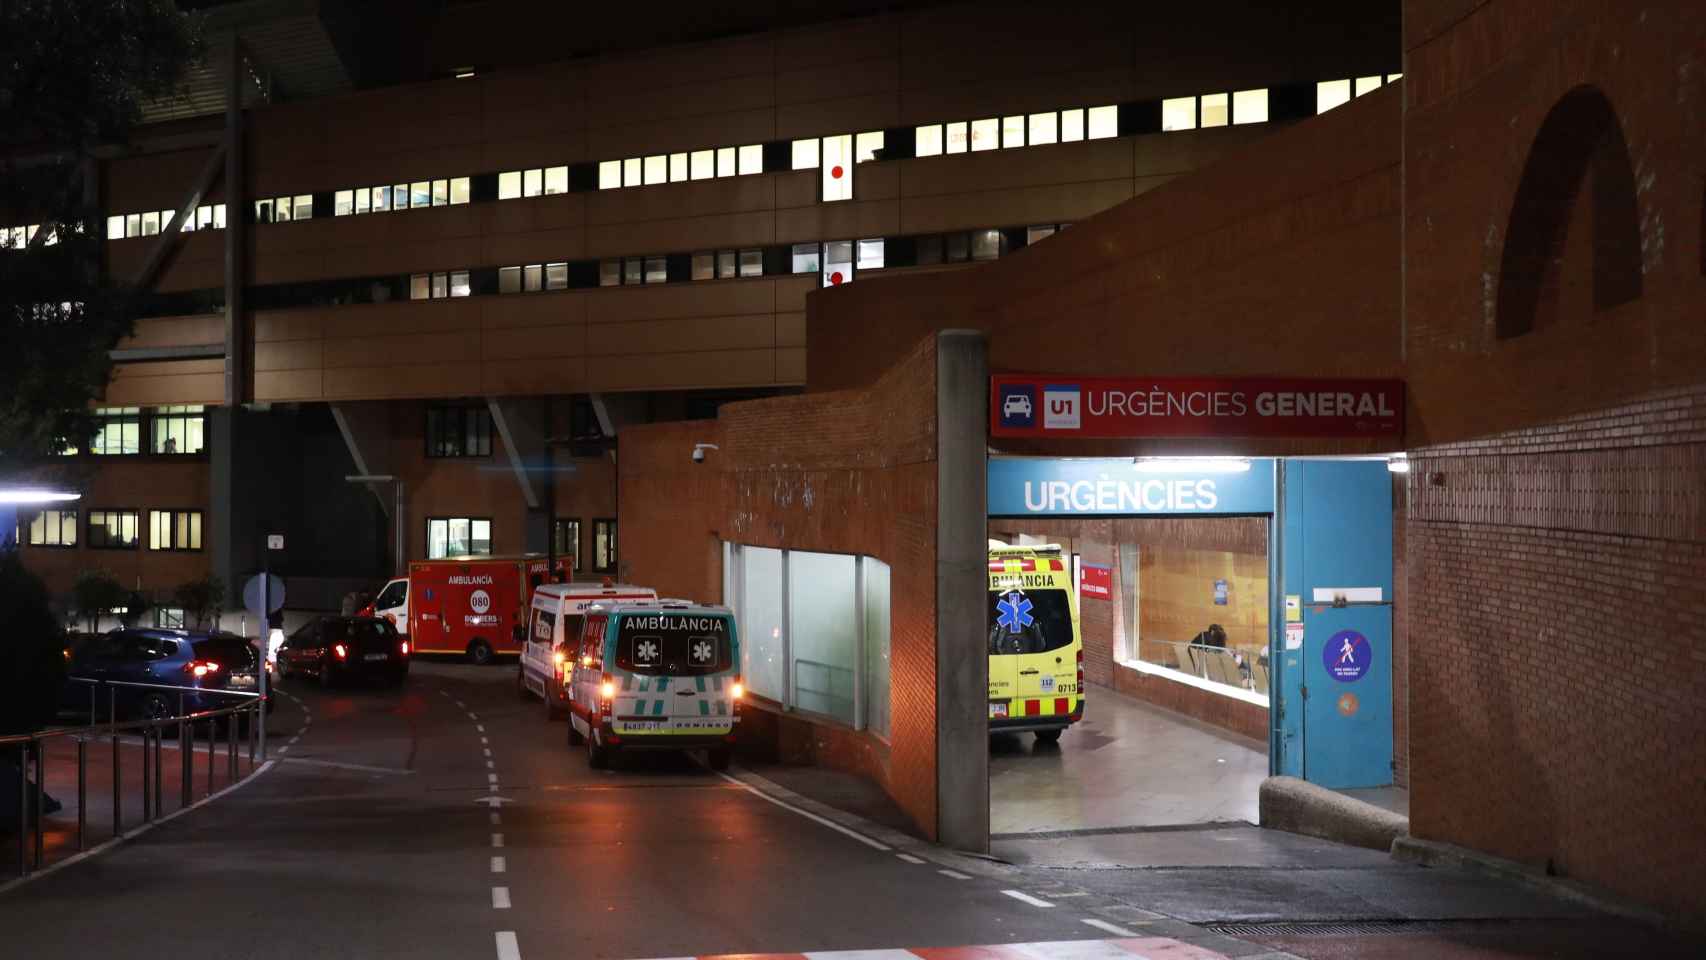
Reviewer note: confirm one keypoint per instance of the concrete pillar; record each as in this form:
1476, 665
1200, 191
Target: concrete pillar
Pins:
962, 582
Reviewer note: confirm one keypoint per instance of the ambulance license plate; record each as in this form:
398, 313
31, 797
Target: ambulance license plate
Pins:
997, 710
376, 656
642, 726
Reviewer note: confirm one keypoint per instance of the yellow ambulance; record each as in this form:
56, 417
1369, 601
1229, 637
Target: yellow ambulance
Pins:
1036, 654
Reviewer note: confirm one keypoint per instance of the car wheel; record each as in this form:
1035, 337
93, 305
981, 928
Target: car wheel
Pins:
1048, 736
719, 757
553, 713
597, 757
480, 653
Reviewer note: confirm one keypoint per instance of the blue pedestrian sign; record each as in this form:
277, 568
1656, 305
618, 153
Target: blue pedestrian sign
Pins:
1347, 656
1014, 612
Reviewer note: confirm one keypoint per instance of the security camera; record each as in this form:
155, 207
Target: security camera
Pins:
699, 451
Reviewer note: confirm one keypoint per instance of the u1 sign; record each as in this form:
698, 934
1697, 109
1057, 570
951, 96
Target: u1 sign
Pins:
1120, 408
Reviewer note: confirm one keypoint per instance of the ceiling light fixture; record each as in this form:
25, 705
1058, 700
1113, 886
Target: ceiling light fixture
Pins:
1190, 465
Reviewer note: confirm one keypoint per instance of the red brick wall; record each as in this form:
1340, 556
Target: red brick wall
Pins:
847, 472
1556, 534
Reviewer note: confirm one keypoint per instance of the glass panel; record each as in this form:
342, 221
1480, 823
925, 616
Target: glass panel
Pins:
1214, 110
958, 247
533, 277
203, 217
837, 168
1033, 234
985, 244
824, 608
420, 286
1366, 84
955, 138
760, 613
752, 159
556, 276
631, 169
133, 225
440, 286
459, 283
703, 164
438, 539
219, 216
420, 194
677, 167
281, 210
480, 537
509, 185
609, 273
985, 134
805, 154
927, 140
805, 258
1012, 131
657, 270
343, 203
1103, 122
1042, 129
400, 196
866, 145
1394, 76
151, 222
837, 262
609, 174
725, 264
509, 279
929, 250
1071, 125
752, 263
657, 169
304, 207
1179, 113
381, 198
363, 200
1250, 106
459, 189
115, 228
556, 180
704, 266
726, 161
632, 270
870, 254
532, 183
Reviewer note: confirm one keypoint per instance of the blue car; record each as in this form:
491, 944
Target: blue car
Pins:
191, 660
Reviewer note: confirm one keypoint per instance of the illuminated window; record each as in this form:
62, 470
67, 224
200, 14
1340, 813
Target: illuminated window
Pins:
115, 228
805, 258
752, 263
1103, 122
400, 196
657, 270
509, 185
556, 276
866, 146
633, 271
53, 528
1367, 85
303, 209
727, 266
1012, 131
459, 187
509, 279
114, 529
726, 161
837, 168
677, 167
987, 244
704, 266
631, 172
1250, 106
985, 134
420, 286
1394, 76
459, 430
533, 277
1179, 113
133, 225
174, 529
955, 137
1071, 125
927, 140
363, 200
180, 429
1042, 129
871, 254
532, 183
151, 222
752, 159
118, 432
459, 286
382, 198
1214, 110
604, 546
458, 537
343, 203
609, 174
657, 169
556, 180
1330, 94
609, 273
440, 286
702, 164
837, 262
805, 154
420, 194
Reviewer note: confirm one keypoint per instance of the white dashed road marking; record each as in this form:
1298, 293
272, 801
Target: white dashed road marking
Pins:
496, 819
954, 875
831, 824
498, 865
909, 858
491, 778
1023, 897
507, 948
500, 898
498, 840
1107, 927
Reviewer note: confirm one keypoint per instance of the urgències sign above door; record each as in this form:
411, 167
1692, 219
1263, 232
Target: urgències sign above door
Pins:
1032, 405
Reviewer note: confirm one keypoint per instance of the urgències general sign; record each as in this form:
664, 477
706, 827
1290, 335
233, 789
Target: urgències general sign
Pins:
1031, 405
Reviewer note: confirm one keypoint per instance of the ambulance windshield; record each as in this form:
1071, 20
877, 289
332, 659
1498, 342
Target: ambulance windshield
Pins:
1028, 621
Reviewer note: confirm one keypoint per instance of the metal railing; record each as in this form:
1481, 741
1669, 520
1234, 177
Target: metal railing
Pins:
30, 747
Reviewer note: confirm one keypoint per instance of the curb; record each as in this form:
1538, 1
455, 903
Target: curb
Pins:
1297, 806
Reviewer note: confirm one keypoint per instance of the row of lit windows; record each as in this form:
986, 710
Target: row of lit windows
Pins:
452, 191
676, 167
1214, 110
1035, 129
1332, 93
472, 536
17, 238
176, 429
208, 217
437, 286
114, 529
284, 209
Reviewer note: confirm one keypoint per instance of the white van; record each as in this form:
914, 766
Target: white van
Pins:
557, 612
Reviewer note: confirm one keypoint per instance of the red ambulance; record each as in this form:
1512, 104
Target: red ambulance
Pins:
475, 606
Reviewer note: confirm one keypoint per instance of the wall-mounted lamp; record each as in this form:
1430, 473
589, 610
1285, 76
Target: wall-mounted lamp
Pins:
1399, 464
699, 451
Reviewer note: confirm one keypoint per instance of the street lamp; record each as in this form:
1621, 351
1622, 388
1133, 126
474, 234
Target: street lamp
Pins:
35, 495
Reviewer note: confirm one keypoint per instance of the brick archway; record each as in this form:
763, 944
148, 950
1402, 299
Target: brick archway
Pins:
1579, 144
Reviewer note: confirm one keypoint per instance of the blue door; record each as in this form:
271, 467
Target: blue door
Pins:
1347, 701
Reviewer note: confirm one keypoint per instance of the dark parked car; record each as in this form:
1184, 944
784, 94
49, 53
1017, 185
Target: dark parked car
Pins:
191, 660
335, 649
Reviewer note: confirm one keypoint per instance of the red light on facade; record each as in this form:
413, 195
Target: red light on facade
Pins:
835, 279
835, 172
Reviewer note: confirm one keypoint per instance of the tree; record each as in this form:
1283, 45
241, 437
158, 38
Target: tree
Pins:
32, 667
96, 593
76, 75
200, 599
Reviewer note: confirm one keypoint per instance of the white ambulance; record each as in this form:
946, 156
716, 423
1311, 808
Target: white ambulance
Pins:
557, 612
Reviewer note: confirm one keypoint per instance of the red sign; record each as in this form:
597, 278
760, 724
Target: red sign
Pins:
1031, 405
1097, 583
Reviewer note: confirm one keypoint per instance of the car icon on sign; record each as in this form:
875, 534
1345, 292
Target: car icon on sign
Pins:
1016, 405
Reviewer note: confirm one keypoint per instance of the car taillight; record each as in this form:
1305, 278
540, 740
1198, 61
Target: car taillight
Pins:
201, 668
737, 691
404, 646
606, 694
1081, 672
340, 650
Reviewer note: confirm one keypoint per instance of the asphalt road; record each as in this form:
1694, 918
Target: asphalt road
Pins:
373, 834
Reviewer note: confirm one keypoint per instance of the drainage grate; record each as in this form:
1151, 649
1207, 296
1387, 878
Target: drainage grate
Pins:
1342, 928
